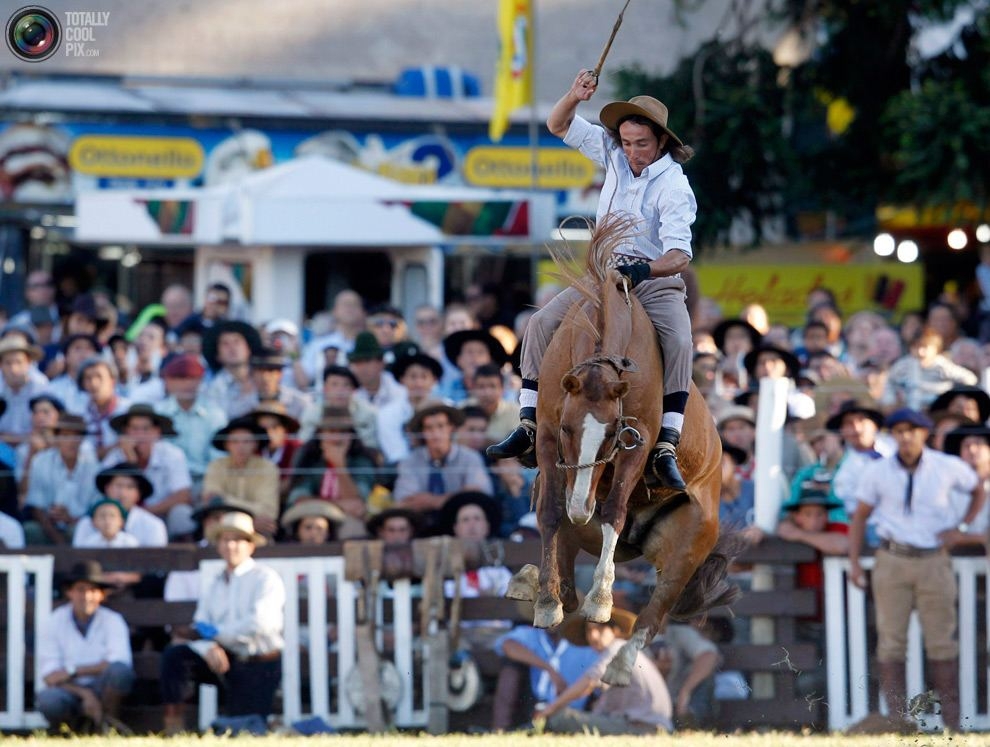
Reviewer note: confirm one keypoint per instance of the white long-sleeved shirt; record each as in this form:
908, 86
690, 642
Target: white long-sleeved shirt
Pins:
61, 645
248, 607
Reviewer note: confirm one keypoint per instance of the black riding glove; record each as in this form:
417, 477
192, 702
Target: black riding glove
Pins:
636, 273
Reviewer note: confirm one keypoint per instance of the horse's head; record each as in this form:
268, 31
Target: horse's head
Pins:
591, 429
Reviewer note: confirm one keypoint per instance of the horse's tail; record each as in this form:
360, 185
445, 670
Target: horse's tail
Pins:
708, 587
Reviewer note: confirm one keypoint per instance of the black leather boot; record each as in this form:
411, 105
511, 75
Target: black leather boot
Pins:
520, 444
661, 467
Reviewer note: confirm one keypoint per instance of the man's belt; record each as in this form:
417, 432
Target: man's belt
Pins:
908, 551
256, 658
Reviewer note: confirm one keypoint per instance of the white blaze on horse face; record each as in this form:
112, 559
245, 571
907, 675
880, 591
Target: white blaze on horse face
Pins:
580, 507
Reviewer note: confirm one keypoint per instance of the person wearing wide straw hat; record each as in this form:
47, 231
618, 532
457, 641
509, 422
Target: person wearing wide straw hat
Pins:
84, 655
642, 707
311, 521
142, 431
236, 638
281, 445
644, 183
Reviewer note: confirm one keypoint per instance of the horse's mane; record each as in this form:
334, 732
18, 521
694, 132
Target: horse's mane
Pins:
610, 232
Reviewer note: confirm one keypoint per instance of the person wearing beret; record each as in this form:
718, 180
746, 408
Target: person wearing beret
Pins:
227, 348
142, 432
267, 369
125, 483
419, 374
194, 418
84, 655
911, 495
60, 483
244, 476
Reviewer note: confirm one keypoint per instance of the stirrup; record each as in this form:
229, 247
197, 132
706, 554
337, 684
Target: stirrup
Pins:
520, 444
661, 470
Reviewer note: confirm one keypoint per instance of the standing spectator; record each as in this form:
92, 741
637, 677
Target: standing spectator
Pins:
84, 655
18, 387
911, 494
98, 379
643, 707
439, 468
194, 418
236, 638
266, 373
418, 374
60, 483
332, 349
126, 484
228, 347
944, 319
972, 445
858, 425
244, 477
141, 430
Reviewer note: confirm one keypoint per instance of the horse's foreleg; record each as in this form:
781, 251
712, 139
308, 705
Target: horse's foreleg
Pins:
597, 605
548, 611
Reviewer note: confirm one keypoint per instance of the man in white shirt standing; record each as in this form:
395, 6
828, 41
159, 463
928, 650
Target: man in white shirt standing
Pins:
84, 655
235, 640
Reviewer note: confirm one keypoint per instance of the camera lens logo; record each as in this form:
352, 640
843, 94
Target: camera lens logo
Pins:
33, 33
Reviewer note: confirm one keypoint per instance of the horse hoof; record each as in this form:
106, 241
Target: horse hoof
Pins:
524, 584
548, 616
616, 674
598, 610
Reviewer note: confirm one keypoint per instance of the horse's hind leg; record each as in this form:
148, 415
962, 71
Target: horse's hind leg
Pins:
676, 546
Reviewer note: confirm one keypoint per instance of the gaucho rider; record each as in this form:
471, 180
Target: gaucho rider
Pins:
643, 179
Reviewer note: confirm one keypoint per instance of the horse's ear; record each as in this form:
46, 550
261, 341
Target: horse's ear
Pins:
618, 389
571, 384
628, 364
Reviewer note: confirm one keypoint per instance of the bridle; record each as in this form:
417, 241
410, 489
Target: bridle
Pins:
626, 436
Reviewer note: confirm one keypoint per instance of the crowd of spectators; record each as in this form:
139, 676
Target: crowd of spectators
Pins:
119, 433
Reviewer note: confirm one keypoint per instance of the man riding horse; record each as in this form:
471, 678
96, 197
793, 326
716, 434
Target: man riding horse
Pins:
642, 158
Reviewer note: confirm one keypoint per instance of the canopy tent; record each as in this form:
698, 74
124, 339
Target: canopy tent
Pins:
315, 201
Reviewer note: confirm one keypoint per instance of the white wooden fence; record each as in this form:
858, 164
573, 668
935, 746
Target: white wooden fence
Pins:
849, 658
318, 581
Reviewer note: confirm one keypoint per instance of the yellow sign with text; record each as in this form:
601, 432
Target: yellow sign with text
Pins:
558, 168
783, 289
137, 157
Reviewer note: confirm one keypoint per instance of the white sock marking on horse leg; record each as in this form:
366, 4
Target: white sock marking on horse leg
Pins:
592, 435
619, 670
598, 604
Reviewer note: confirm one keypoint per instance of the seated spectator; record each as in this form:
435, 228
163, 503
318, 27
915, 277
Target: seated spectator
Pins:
45, 412
311, 521
858, 424
144, 383
334, 466
84, 656
332, 349
971, 402
367, 362
236, 639
280, 446
98, 380
195, 419
141, 430
388, 326
227, 347
440, 468
469, 349
687, 659
643, 707
11, 533
394, 526
487, 391
428, 330
60, 484
108, 518
75, 350
126, 484
242, 475
419, 375
267, 367
471, 515
551, 664
18, 387
339, 388
918, 378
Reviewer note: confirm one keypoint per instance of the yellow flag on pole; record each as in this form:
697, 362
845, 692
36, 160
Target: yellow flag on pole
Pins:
514, 68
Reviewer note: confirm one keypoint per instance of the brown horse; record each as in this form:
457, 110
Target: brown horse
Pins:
601, 383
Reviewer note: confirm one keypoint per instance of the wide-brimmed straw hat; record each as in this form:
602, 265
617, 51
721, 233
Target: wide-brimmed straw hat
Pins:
275, 409
637, 106
573, 626
162, 422
238, 522
306, 507
17, 344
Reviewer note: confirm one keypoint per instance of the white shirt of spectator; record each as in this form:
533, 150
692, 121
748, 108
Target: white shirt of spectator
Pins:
50, 482
123, 538
11, 532
62, 646
167, 469
149, 530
